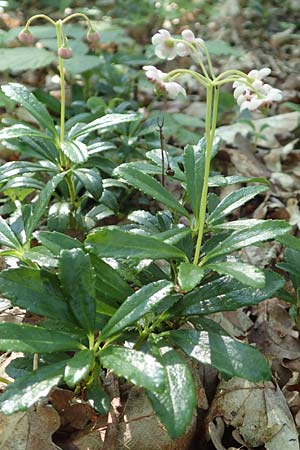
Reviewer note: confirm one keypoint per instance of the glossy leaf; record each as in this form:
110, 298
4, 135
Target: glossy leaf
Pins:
189, 276
24, 97
234, 200
19, 131
22, 182
245, 273
136, 306
150, 186
37, 291
210, 344
269, 229
17, 168
98, 397
77, 279
42, 203
121, 244
104, 123
56, 242
91, 180
137, 367
221, 181
15, 337
176, 404
27, 390
194, 162
7, 236
109, 284
78, 367
59, 216
76, 151
225, 294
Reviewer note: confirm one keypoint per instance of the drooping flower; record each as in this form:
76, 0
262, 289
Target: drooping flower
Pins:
257, 93
26, 37
164, 45
184, 49
65, 52
158, 78
93, 36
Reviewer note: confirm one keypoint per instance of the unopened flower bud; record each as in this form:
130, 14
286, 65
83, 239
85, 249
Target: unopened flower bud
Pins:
65, 52
93, 36
26, 37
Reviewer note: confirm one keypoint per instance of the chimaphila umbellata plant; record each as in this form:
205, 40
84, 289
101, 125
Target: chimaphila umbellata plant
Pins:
130, 296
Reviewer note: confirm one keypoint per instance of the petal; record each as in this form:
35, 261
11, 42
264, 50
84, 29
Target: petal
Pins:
264, 72
253, 74
171, 52
188, 35
182, 49
255, 103
161, 51
156, 39
174, 89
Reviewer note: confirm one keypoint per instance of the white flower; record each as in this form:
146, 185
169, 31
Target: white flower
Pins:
158, 77
164, 45
184, 49
256, 94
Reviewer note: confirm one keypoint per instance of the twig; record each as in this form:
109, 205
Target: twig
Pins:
111, 435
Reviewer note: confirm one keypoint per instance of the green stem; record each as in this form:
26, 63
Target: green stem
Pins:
200, 78
72, 16
233, 72
62, 82
210, 127
209, 62
39, 16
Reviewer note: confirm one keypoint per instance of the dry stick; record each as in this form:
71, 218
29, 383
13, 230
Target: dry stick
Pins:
111, 435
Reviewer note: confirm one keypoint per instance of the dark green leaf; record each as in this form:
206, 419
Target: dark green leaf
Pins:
22, 182
104, 123
7, 236
42, 203
121, 244
149, 186
189, 276
56, 242
22, 95
16, 337
76, 151
289, 241
59, 216
19, 130
35, 290
16, 168
78, 367
24, 392
233, 201
225, 294
136, 306
194, 162
245, 273
176, 404
91, 180
98, 398
77, 279
269, 229
137, 367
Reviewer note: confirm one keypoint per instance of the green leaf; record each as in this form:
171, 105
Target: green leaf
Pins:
56, 242
35, 290
136, 306
245, 273
225, 294
16, 168
7, 236
233, 201
137, 367
76, 151
220, 181
41, 256
16, 337
98, 398
24, 58
19, 131
59, 216
121, 244
212, 345
189, 276
289, 241
176, 404
42, 203
78, 367
194, 162
91, 180
109, 284
77, 279
104, 123
28, 389
149, 186
269, 229
22, 183
22, 95
82, 63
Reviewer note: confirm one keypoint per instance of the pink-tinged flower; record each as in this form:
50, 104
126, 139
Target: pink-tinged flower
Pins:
253, 96
158, 78
92, 36
65, 52
164, 45
26, 37
184, 49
